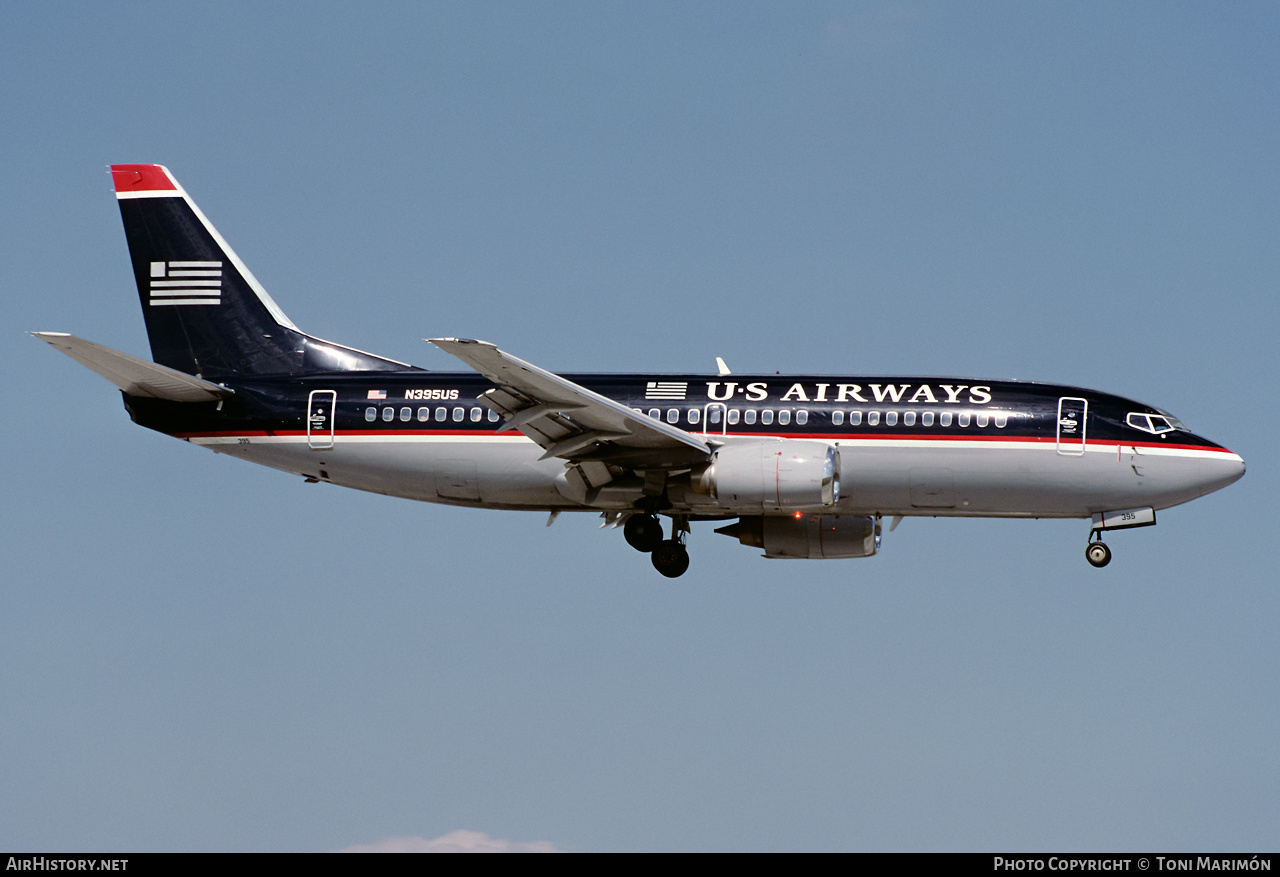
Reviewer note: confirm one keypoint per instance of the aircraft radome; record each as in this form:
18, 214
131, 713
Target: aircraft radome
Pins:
803, 466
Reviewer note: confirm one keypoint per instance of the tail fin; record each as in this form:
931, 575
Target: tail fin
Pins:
206, 314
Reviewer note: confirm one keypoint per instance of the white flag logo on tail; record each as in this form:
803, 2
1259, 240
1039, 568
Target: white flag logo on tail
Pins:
186, 283
666, 389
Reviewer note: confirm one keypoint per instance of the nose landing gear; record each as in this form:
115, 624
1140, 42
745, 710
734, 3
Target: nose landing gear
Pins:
1097, 553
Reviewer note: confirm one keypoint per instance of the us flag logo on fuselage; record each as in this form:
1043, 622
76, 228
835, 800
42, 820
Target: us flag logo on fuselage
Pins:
186, 283
666, 389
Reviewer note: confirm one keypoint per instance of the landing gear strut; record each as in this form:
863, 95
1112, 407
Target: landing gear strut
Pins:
1097, 553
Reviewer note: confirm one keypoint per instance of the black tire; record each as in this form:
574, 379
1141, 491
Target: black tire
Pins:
642, 532
671, 559
1098, 554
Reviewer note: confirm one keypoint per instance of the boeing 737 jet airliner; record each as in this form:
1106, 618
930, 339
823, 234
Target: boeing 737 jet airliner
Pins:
803, 466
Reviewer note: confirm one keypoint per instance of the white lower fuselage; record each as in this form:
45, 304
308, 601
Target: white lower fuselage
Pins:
889, 477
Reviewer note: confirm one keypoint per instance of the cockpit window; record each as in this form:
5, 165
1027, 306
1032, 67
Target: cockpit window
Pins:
1173, 421
1155, 424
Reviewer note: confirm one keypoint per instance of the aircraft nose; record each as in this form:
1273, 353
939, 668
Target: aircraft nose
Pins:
1222, 469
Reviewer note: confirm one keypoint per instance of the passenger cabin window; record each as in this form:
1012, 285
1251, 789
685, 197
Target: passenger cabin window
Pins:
673, 415
424, 414
802, 417
945, 418
749, 415
406, 414
909, 418
873, 418
458, 414
983, 419
784, 417
371, 414
655, 413
388, 414
476, 414
442, 413
837, 418
855, 418
964, 418
695, 415
713, 416
1002, 420
493, 416
734, 414
766, 416
926, 419
891, 418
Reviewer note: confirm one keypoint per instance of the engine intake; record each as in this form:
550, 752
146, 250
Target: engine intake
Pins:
778, 475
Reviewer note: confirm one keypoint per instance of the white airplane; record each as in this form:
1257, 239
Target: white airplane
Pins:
807, 465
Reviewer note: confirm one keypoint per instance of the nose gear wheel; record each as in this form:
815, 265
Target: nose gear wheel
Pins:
1098, 554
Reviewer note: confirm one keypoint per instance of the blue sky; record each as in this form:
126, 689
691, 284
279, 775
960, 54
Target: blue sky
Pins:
205, 655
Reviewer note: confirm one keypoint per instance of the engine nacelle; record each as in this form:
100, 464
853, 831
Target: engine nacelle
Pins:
809, 536
778, 475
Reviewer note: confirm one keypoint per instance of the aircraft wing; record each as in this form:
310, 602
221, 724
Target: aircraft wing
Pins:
137, 377
568, 420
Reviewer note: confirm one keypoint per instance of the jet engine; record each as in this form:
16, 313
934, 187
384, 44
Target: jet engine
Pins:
809, 536
777, 475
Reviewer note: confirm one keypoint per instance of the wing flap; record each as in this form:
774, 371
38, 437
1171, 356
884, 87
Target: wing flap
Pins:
569, 421
137, 377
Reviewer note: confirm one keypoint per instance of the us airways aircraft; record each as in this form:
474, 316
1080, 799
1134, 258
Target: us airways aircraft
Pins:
800, 467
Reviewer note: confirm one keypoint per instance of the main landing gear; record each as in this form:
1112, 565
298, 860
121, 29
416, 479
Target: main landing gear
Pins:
642, 532
669, 556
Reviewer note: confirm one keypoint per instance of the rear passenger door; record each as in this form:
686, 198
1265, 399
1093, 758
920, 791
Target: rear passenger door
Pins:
320, 419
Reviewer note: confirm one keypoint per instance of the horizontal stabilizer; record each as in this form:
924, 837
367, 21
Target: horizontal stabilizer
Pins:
137, 377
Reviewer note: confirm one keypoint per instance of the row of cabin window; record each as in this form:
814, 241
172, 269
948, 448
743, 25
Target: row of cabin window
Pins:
424, 414
713, 416
945, 418
926, 418
962, 418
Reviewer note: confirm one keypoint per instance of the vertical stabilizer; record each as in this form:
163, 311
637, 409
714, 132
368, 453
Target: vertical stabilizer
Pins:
206, 314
